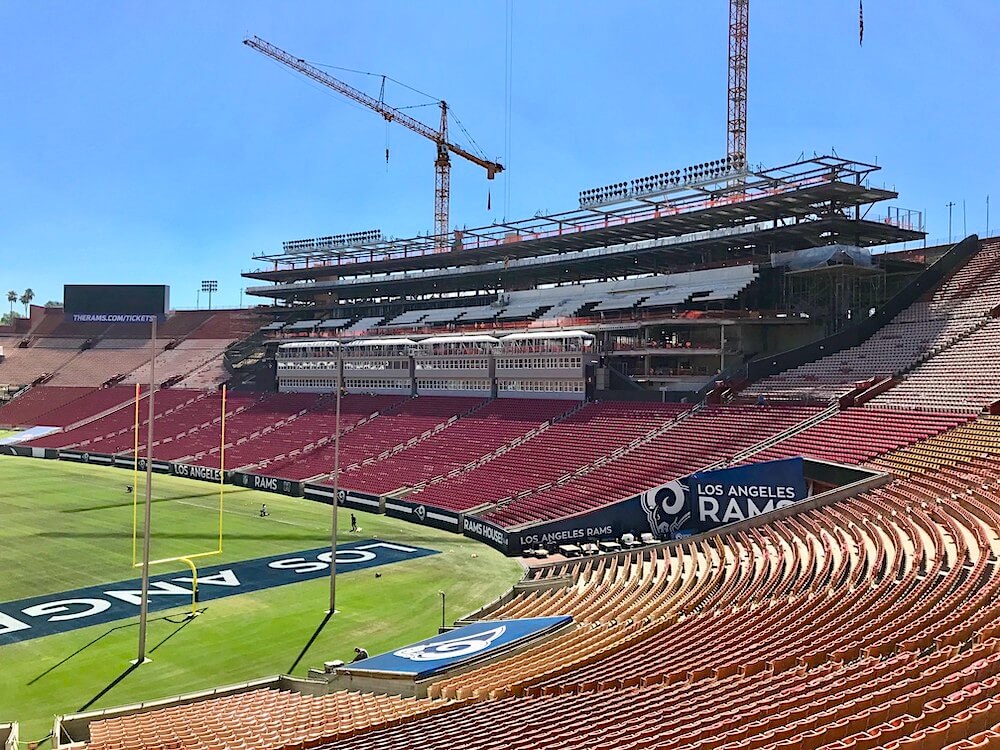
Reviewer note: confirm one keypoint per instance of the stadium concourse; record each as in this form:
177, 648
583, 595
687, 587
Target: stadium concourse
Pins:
859, 619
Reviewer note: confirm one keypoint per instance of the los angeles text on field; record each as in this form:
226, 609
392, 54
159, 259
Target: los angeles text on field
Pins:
57, 613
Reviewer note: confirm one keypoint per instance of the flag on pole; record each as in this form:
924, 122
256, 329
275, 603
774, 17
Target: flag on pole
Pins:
861, 22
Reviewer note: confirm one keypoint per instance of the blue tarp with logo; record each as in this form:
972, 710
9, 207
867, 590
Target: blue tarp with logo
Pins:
442, 652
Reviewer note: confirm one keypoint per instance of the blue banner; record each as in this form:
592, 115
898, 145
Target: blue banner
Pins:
56, 613
675, 509
718, 498
447, 650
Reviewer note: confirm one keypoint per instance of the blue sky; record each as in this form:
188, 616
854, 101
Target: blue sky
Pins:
142, 142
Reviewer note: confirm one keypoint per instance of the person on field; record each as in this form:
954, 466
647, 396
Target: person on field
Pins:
354, 524
359, 654
263, 510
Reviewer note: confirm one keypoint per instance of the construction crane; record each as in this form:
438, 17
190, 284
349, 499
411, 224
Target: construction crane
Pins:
442, 162
739, 43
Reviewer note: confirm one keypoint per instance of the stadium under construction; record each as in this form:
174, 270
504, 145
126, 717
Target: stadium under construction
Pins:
681, 277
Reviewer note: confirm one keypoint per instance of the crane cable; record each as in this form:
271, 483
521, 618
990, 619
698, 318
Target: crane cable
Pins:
374, 75
472, 141
381, 98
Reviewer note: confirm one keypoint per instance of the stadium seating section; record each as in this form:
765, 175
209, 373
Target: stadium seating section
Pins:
947, 329
697, 441
260, 719
56, 406
870, 622
865, 622
555, 305
855, 435
189, 350
593, 431
395, 427
481, 433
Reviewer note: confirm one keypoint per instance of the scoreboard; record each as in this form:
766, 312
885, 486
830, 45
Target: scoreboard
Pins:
115, 303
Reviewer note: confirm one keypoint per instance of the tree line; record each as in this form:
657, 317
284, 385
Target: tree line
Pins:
13, 298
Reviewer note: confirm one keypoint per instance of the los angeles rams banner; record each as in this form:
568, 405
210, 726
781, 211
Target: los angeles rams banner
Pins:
265, 483
696, 503
710, 499
448, 650
719, 498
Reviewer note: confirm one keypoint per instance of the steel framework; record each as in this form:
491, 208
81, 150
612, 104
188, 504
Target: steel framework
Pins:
836, 178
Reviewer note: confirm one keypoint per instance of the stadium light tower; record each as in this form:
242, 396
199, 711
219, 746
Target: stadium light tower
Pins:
210, 286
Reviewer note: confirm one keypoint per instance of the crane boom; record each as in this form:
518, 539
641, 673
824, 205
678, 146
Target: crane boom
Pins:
442, 162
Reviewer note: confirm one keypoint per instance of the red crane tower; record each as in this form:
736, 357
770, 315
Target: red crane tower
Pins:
442, 162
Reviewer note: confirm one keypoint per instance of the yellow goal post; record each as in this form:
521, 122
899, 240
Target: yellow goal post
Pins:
187, 559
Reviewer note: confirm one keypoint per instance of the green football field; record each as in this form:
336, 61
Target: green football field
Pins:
65, 526
5, 433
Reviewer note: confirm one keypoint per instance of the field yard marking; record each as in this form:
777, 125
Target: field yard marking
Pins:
49, 614
238, 511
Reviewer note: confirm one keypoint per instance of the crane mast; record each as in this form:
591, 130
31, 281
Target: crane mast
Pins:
445, 148
442, 177
739, 33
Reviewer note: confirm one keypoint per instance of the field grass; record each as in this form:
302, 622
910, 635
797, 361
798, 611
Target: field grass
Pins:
6, 433
65, 526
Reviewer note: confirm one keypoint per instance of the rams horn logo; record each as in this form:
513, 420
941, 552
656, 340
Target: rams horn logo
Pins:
665, 508
341, 496
420, 512
450, 649
86, 458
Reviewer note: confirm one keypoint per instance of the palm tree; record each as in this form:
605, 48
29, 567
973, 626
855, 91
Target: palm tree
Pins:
12, 298
26, 299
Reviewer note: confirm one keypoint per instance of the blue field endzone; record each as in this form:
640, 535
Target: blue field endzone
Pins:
58, 613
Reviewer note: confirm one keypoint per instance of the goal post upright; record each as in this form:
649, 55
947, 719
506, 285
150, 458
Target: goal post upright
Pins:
144, 596
222, 463
135, 476
187, 559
